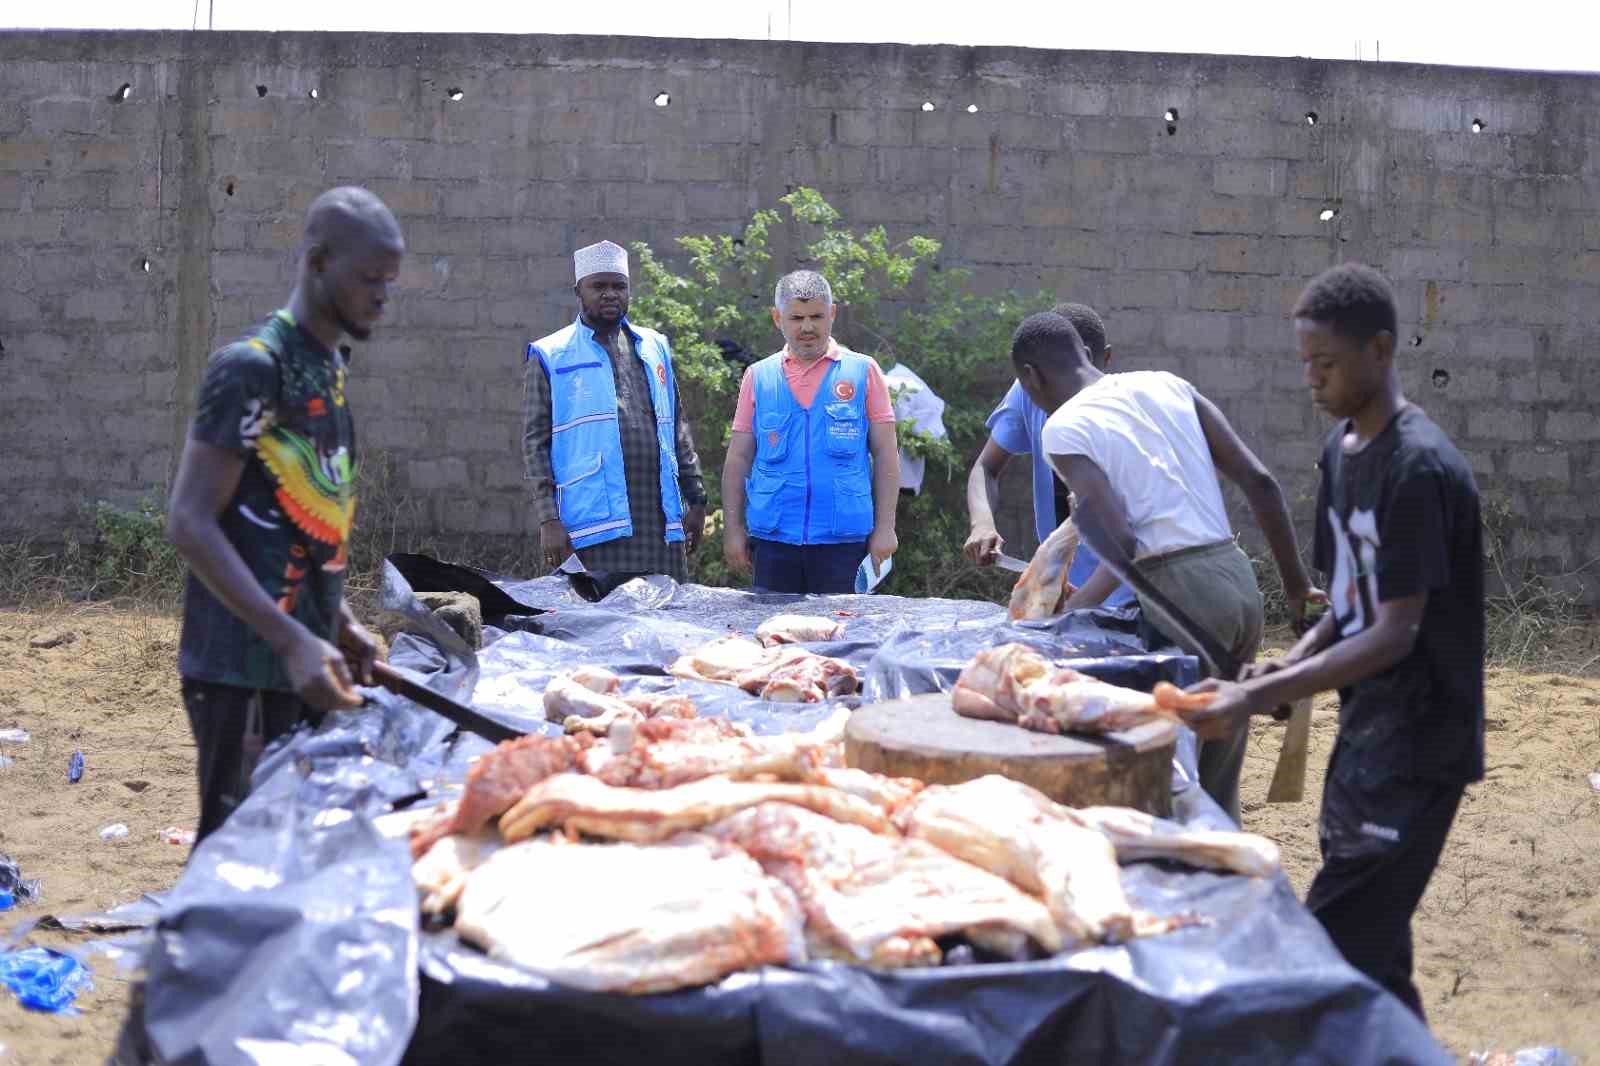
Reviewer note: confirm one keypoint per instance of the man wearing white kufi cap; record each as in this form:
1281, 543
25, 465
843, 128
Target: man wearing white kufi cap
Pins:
605, 447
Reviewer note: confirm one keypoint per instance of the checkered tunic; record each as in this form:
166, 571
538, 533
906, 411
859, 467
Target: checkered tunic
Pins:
647, 551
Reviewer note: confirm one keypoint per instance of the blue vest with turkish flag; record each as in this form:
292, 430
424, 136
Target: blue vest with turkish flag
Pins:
812, 478
585, 444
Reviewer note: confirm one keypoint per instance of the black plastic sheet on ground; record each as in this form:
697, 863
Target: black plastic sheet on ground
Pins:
293, 934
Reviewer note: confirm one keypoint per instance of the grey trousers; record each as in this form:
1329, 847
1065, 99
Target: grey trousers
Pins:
1215, 585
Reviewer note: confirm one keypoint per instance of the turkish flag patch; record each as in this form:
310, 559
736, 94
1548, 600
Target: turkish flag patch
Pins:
844, 390
661, 373
772, 439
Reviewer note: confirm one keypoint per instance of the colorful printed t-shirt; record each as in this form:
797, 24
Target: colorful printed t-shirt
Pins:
276, 398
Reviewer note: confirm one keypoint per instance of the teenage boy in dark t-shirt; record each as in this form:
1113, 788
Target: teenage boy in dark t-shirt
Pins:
1399, 534
262, 505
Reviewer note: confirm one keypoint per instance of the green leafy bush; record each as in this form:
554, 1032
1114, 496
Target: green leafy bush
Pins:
897, 302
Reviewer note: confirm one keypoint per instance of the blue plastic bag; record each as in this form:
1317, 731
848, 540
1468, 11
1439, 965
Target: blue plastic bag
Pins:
43, 979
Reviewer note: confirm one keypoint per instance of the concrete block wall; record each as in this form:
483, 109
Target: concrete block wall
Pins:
1181, 195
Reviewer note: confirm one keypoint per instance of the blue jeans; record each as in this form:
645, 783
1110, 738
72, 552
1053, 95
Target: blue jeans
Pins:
813, 568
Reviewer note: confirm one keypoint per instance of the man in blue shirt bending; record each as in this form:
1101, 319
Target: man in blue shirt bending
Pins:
1014, 429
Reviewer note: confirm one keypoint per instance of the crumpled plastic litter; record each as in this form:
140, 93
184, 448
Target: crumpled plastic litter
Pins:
115, 831
13, 736
43, 979
1528, 1056
13, 889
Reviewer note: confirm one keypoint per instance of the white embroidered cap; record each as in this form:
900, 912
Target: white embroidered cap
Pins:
602, 258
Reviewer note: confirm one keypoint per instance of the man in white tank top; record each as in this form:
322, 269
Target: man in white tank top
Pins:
1142, 452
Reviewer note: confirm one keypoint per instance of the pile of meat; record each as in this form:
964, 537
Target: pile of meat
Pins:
1043, 586
691, 850
590, 700
783, 671
1013, 683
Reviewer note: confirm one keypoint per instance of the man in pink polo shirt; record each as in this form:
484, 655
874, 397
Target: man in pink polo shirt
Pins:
812, 477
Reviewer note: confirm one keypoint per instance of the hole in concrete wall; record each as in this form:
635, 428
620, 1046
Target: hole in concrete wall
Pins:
124, 91
261, 90
315, 94
345, 352
1172, 129
927, 105
1311, 118
144, 265
2, 349
1441, 378
1172, 121
738, 244
663, 99
972, 109
1328, 214
228, 188
1478, 125
1416, 340
455, 94
833, 126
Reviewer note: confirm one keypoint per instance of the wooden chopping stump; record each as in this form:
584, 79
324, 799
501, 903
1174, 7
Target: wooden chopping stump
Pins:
923, 737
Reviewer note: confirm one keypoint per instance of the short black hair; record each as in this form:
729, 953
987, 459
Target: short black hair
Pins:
1352, 299
1091, 328
1046, 339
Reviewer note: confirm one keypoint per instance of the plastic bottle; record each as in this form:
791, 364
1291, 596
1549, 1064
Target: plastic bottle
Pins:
75, 767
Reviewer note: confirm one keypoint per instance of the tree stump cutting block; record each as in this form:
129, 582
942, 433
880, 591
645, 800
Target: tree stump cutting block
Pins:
923, 737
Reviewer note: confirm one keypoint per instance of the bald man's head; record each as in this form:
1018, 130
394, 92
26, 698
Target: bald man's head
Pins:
352, 252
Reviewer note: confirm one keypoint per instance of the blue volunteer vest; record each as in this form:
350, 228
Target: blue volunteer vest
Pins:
585, 444
811, 482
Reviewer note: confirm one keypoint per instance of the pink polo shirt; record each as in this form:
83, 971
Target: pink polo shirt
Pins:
803, 384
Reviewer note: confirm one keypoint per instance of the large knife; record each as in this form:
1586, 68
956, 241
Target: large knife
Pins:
1009, 562
459, 713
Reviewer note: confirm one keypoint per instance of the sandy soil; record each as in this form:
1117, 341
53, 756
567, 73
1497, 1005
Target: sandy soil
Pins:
1508, 938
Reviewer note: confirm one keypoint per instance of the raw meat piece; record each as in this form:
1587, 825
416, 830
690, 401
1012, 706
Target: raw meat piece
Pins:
797, 629
879, 900
789, 674
644, 919
679, 756
582, 804
498, 779
1018, 833
887, 793
722, 660
1014, 683
1137, 835
441, 874
1043, 586
587, 701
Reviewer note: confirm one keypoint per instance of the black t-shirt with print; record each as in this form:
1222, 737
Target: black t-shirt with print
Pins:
276, 398
1396, 518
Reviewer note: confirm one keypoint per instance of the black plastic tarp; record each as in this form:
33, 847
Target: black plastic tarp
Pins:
294, 930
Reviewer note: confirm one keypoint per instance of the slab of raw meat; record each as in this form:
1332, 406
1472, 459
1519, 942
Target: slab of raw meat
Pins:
1137, 835
1014, 683
797, 629
889, 794
588, 701
642, 919
659, 758
578, 803
442, 872
724, 659
1018, 833
1043, 586
788, 674
495, 781
881, 900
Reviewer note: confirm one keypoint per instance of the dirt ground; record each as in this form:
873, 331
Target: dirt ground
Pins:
1508, 938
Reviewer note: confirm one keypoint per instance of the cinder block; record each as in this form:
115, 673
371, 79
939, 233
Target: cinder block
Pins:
25, 155
1581, 425
1249, 177
1198, 331
1245, 255
437, 475
1528, 464
1500, 423
100, 305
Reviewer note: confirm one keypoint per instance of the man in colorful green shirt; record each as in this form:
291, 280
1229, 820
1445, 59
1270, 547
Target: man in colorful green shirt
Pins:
262, 506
